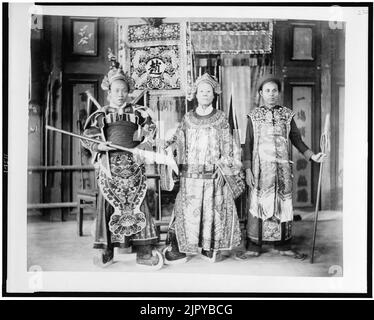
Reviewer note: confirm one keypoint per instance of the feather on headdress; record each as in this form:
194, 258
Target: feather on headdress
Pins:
116, 73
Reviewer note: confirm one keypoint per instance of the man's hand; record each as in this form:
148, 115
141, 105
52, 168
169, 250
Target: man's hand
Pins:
103, 146
320, 157
249, 178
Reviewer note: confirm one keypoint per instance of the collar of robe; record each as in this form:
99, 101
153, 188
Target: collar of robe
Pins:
271, 108
120, 110
204, 112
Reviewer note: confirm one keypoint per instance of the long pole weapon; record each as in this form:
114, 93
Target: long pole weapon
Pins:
324, 144
155, 156
47, 109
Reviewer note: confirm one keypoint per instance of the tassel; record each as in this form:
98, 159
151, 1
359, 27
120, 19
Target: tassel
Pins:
265, 207
286, 209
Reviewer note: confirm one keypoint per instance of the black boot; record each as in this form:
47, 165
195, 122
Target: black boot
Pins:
171, 253
104, 257
149, 258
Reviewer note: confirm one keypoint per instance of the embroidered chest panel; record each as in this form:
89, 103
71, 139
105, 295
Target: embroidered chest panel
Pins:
277, 116
102, 117
126, 115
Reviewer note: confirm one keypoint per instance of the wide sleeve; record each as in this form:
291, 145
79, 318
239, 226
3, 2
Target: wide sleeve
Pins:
177, 143
146, 132
229, 163
230, 151
248, 145
92, 130
297, 141
177, 134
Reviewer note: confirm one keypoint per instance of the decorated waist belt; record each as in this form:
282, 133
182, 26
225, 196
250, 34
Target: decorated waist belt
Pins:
197, 171
197, 175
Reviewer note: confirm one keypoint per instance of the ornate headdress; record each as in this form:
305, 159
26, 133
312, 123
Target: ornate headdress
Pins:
116, 73
207, 78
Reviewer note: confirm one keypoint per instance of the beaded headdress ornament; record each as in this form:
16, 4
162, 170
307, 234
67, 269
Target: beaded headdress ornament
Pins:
116, 73
207, 78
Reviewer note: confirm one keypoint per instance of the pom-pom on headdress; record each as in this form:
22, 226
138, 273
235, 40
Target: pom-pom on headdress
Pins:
116, 73
208, 79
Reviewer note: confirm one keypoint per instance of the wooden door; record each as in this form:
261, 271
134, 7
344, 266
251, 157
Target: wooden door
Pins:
297, 47
73, 154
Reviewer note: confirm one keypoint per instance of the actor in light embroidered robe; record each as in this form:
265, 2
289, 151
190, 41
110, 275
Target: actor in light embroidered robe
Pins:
205, 212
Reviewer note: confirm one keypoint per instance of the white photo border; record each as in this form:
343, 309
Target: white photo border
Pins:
355, 226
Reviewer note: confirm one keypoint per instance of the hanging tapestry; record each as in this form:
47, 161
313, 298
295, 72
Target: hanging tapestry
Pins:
189, 61
155, 67
154, 56
145, 32
232, 37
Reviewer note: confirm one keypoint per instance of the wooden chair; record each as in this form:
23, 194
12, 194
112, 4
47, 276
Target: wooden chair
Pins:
86, 198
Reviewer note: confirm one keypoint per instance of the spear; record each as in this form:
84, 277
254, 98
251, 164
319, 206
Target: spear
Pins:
46, 121
324, 144
150, 155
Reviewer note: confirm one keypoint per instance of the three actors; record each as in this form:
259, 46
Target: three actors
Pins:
209, 158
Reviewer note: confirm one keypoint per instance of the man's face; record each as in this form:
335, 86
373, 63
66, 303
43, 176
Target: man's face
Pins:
118, 93
204, 94
270, 93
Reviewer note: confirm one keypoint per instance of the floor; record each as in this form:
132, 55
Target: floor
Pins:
55, 246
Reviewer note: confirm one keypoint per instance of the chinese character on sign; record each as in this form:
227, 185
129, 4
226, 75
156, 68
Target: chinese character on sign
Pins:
155, 67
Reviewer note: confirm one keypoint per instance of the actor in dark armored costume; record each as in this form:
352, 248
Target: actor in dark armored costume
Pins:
123, 217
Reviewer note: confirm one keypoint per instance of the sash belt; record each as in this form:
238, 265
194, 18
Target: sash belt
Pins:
197, 171
197, 175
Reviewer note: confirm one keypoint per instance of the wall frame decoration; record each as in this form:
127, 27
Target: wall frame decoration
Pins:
84, 37
303, 44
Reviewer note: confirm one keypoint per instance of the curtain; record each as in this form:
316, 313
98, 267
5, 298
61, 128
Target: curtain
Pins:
240, 74
169, 112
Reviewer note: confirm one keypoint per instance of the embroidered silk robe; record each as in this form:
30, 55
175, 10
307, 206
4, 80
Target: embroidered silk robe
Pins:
205, 212
270, 211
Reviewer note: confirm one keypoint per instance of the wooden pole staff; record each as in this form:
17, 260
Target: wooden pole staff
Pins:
49, 93
155, 156
324, 144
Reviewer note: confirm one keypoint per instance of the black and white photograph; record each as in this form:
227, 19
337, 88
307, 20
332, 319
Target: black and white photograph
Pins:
188, 149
